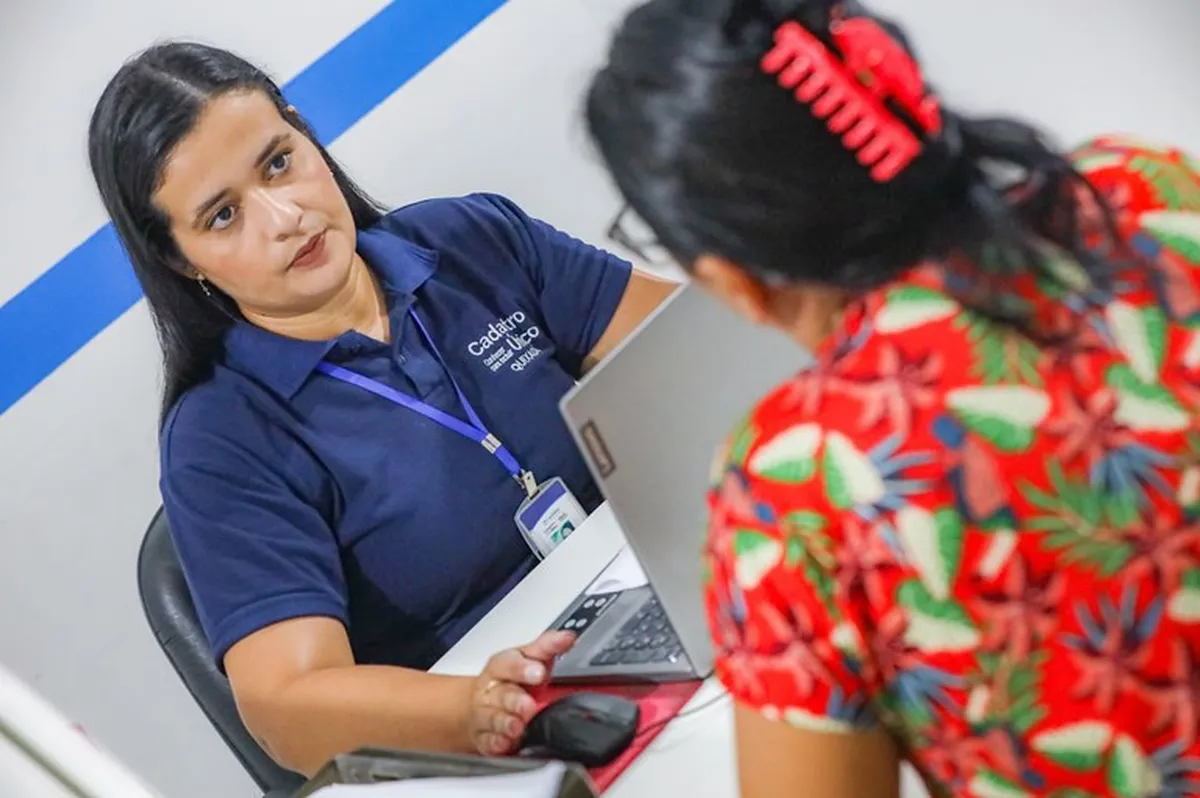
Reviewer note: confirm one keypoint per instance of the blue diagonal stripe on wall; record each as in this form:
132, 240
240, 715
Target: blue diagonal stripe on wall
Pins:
78, 297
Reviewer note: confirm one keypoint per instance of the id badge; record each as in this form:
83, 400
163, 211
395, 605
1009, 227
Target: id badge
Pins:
549, 517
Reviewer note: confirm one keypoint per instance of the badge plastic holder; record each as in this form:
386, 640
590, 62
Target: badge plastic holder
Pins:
549, 516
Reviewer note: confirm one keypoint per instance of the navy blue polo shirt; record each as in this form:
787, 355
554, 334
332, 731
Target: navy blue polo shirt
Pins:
290, 493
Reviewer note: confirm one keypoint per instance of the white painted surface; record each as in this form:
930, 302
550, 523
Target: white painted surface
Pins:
1080, 67
44, 755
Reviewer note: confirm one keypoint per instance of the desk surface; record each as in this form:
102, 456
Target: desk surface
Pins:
668, 766
694, 755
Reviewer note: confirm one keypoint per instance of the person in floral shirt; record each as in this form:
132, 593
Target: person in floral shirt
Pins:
969, 536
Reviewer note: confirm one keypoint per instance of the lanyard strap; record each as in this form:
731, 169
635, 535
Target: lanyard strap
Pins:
475, 430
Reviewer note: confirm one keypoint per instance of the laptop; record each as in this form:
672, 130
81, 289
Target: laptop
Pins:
649, 420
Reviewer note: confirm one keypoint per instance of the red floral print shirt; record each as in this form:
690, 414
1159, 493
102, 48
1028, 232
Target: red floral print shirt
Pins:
990, 547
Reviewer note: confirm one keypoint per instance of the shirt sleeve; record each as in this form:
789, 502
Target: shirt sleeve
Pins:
579, 286
781, 647
255, 550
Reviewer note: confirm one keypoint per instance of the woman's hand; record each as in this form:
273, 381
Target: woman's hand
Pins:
500, 702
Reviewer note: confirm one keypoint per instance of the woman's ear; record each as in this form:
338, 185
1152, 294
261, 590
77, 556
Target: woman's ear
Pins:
167, 252
180, 265
734, 286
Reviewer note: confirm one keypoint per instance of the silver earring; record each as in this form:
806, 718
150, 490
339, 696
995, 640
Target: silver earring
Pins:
204, 286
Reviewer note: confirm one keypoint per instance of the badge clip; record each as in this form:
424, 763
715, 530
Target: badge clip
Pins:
529, 483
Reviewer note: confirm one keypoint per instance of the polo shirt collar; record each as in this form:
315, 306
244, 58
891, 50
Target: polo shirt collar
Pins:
401, 265
283, 363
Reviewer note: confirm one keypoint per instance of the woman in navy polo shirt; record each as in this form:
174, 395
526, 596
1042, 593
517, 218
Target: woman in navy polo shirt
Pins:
331, 374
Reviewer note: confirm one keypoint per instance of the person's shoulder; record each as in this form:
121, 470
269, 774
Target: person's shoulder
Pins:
485, 234
1153, 192
776, 444
1169, 175
208, 417
870, 389
916, 305
1109, 147
449, 218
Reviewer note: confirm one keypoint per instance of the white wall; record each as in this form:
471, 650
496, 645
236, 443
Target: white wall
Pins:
78, 466
1079, 66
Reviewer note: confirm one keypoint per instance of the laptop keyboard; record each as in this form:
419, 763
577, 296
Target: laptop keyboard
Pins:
645, 638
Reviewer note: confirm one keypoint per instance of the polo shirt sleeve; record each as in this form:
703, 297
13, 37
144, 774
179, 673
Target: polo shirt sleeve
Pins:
579, 286
254, 548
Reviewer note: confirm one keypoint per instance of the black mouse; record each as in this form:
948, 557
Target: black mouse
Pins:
588, 728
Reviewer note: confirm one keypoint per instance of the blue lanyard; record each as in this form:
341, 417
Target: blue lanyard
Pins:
475, 430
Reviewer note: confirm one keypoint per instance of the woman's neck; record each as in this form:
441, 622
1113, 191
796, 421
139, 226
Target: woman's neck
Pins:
358, 305
810, 314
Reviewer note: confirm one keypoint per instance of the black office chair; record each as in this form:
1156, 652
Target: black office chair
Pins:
172, 616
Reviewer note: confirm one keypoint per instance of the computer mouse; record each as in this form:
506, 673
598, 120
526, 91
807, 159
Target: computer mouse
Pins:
588, 728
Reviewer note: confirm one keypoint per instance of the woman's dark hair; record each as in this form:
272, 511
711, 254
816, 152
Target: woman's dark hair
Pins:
717, 158
152, 103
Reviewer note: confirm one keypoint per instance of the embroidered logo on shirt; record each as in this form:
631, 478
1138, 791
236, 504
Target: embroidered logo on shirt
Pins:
508, 341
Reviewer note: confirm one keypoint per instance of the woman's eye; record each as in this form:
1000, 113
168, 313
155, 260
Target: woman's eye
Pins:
222, 218
279, 163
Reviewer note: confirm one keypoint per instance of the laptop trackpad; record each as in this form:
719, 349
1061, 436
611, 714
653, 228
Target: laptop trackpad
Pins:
623, 573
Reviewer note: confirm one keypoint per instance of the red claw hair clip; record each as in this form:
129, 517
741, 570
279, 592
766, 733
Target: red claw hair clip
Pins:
848, 93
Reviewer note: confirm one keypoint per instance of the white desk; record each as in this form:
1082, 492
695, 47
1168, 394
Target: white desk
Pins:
671, 764
694, 755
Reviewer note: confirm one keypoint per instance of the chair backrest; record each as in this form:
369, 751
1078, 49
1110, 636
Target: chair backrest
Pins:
172, 616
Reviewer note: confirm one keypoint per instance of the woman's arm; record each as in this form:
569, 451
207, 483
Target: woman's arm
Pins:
643, 293
304, 699
775, 758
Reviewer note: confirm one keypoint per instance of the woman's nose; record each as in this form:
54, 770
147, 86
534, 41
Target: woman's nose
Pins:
280, 212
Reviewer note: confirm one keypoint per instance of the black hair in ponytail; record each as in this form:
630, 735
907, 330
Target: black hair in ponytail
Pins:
717, 158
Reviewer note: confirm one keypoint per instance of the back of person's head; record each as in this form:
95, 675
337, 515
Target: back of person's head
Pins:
719, 159
153, 102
